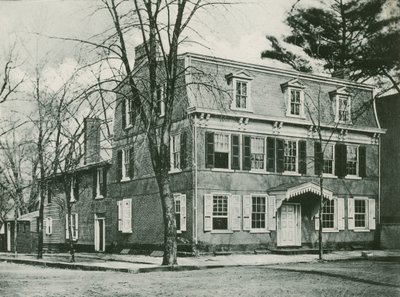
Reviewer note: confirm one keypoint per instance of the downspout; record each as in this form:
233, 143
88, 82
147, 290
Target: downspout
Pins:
379, 156
195, 180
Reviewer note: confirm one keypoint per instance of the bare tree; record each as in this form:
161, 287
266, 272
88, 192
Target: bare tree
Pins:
7, 86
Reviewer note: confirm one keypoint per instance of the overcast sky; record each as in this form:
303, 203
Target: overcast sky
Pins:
237, 31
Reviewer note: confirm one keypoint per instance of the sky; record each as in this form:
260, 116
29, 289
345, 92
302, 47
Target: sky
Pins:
237, 31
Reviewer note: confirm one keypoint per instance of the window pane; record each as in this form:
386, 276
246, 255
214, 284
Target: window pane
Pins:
258, 212
290, 154
328, 214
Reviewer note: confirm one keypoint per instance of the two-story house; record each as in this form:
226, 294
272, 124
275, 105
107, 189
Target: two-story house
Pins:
243, 167
89, 199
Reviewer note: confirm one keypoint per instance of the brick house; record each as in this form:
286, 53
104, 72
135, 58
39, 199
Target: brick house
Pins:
243, 168
88, 194
388, 109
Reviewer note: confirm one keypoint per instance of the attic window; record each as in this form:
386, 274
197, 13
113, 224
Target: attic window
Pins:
342, 102
293, 92
241, 90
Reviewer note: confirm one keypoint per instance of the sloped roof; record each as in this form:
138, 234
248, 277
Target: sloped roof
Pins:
26, 217
298, 188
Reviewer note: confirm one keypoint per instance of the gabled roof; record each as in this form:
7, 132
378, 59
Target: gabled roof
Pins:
26, 217
243, 74
295, 83
295, 189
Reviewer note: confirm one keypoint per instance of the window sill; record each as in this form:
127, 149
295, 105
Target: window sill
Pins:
330, 230
259, 231
291, 173
361, 230
99, 197
242, 109
352, 177
126, 232
125, 179
257, 171
296, 116
221, 232
176, 170
178, 232
329, 175
222, 170
128, 126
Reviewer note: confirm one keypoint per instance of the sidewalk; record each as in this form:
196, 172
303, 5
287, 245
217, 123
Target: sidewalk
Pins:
141, 263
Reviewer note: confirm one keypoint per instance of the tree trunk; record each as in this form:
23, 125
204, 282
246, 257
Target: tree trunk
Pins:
167, 200
70, 241
15, 231
40, 222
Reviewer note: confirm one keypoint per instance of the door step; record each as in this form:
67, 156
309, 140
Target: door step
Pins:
296, 251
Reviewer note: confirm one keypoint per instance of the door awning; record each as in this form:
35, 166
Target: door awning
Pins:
287, 191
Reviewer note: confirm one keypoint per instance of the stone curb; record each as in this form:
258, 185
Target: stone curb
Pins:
85, 267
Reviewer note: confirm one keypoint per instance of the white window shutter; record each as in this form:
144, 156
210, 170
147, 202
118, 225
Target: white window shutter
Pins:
76, 227
208, 209
316, 221
45, 225
350, 214
340, 213
183, 212
271, 213
66, 227
127, 215
235, 212
371, 214
246, 212
119, 203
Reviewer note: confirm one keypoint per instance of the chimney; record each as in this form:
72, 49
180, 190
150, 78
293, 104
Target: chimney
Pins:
140, 52
92, 140
343, 73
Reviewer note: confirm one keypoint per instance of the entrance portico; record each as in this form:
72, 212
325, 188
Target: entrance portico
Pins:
295, 202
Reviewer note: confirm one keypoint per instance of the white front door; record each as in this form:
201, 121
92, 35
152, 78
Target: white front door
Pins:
289, 229
99, 234
8, 237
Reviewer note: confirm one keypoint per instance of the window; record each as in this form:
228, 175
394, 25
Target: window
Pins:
257, 153
49, 193
360, 214
176, 151
343, 109
241, 95
352, 160
125, 215
295, 102
99, 183
180, 212
74, 191
220, 212
129, 112
329, 159
290, 155
74, 226
258, 213
160, 105
221, 150
328, 214
49, 226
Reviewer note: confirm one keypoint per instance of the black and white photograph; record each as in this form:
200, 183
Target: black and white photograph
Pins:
200, 148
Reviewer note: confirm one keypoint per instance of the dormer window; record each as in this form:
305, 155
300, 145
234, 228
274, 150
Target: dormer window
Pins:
294, 96
342, 105
241, 86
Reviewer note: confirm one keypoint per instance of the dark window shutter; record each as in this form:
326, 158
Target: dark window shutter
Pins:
302, 156
103, 190
246, 152
362, 152
119, 166
317, 158
183, 151
235, 152
340, 160
123, 113
49, 192
131, 162
279, 155
94, 185
271, 154
209, 149
76, 188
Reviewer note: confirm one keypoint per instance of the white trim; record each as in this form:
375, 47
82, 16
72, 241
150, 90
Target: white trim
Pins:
366, 219
308, 187
266, 228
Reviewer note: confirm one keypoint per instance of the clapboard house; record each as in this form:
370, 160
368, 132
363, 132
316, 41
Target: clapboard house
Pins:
243, 167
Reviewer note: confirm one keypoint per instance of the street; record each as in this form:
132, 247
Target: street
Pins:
347, 278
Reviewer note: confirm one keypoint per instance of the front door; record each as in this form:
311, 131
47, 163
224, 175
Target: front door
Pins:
8, 237
99, 238
289, 229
